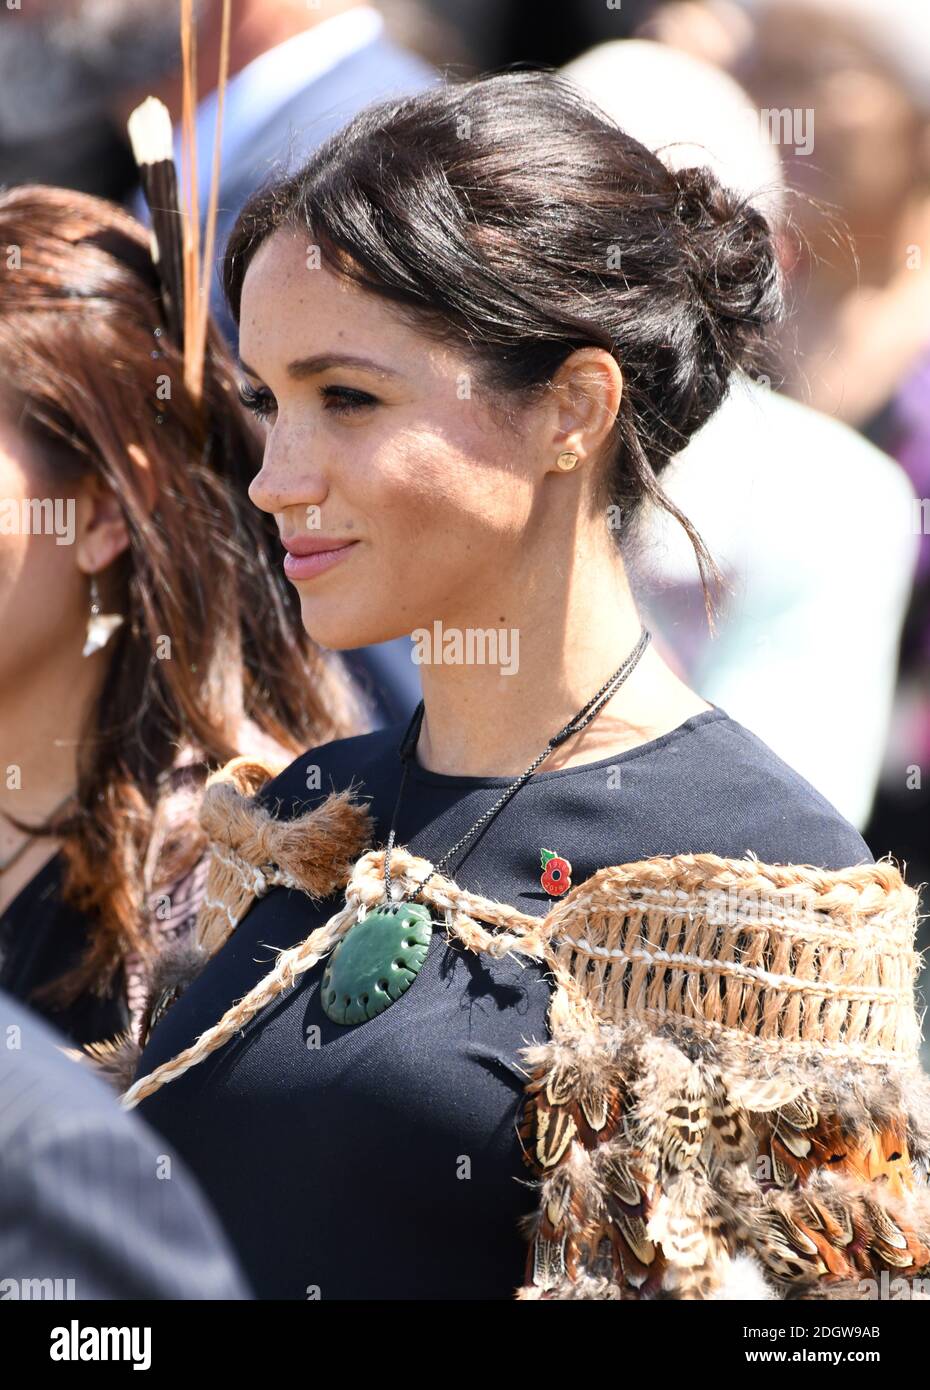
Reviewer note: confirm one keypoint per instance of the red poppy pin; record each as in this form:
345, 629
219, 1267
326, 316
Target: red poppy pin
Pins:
557, 873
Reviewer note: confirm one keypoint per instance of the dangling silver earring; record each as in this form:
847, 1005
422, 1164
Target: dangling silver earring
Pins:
100, 626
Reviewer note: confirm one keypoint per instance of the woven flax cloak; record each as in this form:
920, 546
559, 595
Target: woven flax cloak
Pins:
730, 1103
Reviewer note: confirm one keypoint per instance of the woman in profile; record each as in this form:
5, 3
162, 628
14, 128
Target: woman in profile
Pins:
149, 633
575, 956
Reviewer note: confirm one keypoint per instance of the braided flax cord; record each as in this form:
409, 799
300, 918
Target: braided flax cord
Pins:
522, 934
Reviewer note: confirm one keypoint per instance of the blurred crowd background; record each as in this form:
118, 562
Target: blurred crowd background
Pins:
812, 487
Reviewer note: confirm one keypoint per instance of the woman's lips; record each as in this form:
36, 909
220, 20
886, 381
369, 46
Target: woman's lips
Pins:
309, 566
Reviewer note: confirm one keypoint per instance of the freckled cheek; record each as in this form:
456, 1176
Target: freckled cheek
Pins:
437, 495
385, 480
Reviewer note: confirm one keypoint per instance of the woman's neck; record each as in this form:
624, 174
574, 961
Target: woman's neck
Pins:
42, 719
555, 645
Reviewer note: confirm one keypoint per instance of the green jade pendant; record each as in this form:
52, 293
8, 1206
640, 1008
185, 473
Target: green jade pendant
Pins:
376, 962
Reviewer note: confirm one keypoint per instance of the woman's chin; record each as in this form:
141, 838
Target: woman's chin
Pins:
339, 631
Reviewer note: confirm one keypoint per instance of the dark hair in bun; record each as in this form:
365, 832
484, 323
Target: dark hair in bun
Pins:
730, 257
510, 216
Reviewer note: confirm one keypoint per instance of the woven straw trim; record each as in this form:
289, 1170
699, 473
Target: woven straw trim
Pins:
848, 896
755, 975
765, 978
770, 966
750, 1014
755, 913
811, 959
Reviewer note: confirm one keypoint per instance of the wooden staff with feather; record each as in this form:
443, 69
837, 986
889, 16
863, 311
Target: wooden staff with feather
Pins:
184, 275
150, 135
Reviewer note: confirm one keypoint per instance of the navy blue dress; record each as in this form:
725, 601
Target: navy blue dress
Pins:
382, 1160
42, 937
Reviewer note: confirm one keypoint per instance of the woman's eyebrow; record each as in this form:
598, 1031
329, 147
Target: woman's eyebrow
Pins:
310, 366
303, 367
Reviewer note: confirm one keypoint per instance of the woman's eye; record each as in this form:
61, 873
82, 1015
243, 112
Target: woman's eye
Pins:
342, 399
261, 402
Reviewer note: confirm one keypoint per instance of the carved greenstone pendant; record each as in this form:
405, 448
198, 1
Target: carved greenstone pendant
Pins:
375, 962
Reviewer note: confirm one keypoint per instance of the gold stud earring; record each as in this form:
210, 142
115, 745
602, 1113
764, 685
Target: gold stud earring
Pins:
567, 460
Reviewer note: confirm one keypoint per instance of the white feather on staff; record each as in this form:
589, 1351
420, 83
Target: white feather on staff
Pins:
151, 140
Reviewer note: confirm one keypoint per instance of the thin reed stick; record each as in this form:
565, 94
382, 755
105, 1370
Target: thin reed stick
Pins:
210, 230
192, 209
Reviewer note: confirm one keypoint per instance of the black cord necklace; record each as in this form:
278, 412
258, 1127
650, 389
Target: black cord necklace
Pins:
381, 955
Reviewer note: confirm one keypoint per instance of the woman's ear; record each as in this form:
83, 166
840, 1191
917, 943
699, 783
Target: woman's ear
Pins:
589, 389
102, 531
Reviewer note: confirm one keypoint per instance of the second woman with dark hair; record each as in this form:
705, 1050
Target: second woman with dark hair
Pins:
477, 325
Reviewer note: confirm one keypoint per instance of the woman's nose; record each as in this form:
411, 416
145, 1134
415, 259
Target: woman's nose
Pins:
286, 478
